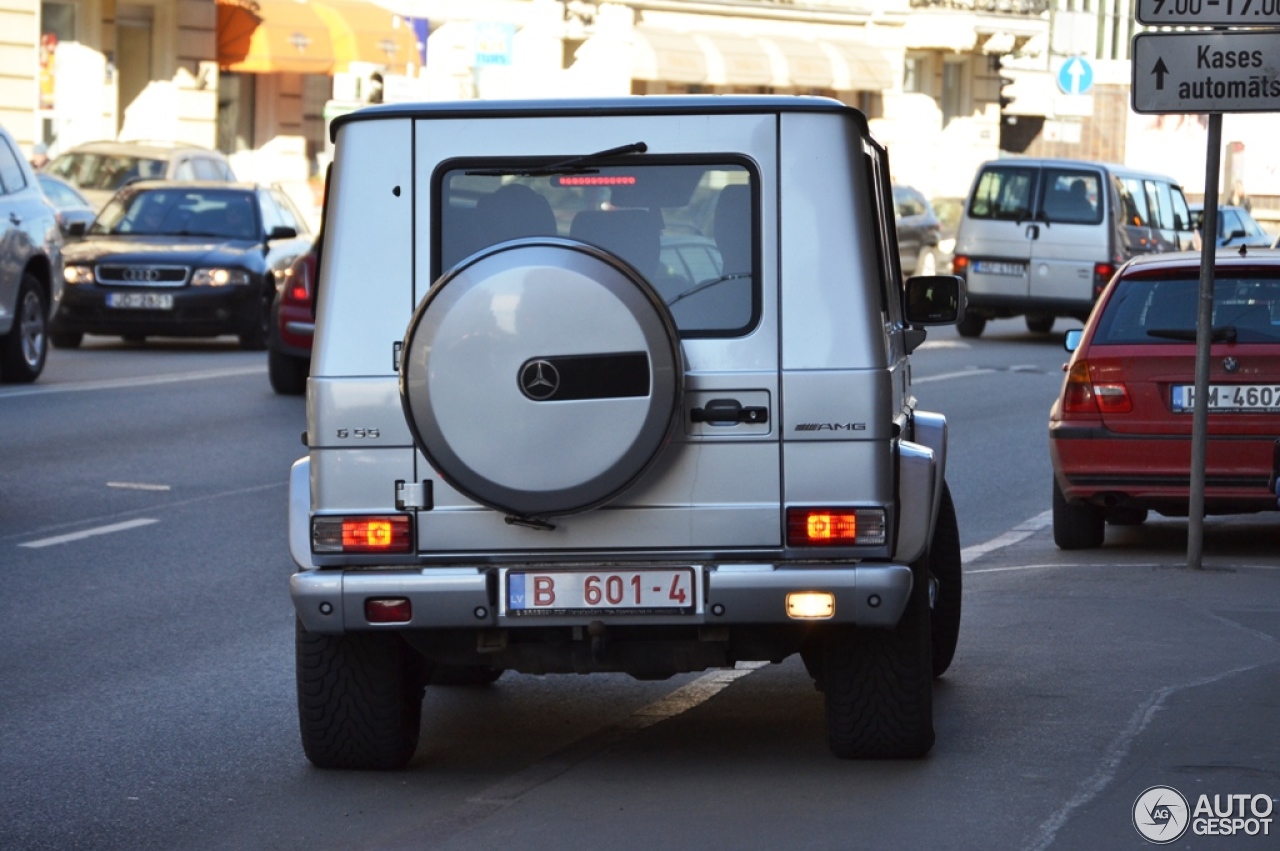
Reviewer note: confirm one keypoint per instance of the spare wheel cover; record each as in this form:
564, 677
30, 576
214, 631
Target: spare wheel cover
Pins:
541, 377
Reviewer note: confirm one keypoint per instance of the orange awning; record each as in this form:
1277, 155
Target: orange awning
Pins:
273, 36
363, 32
300, 37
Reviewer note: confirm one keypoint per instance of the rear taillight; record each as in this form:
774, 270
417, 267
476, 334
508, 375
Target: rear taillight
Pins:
1102, 273
298, 278
1082, 396
384, 534
835, 527
960, 265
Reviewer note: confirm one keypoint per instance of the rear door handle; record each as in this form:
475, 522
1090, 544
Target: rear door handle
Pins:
728, 412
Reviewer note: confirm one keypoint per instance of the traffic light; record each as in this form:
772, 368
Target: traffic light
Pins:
1006, 83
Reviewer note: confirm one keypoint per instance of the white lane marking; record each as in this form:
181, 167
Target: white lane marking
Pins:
1017, 534
137, 486
1101, 779
140, 381
89, 533
192, 501
947, 376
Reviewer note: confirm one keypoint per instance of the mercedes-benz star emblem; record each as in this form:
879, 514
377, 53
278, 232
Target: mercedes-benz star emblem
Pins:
539, 380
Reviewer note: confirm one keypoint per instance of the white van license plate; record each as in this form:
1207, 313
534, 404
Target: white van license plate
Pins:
1000, 267
141, 301
603, 592
1252, 398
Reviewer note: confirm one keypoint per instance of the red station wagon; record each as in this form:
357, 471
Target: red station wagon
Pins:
1120, 432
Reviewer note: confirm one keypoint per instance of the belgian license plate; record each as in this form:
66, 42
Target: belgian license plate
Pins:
1000, 267
1253, 398
141, 301
648, 591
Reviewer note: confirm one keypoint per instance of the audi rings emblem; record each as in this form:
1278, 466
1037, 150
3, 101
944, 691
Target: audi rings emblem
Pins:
140, 274
539, 380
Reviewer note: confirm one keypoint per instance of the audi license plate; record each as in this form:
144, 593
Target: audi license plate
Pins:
1250, 398
648, 591
141, 301
1000, 267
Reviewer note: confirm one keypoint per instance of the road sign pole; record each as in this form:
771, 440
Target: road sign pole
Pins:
1204, 338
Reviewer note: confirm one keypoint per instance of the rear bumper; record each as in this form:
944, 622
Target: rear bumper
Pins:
1094, 464
332, 600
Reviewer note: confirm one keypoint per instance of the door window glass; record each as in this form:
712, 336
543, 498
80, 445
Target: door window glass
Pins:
11, 177
1133, 198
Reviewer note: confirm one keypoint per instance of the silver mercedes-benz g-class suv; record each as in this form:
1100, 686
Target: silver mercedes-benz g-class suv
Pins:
617, 385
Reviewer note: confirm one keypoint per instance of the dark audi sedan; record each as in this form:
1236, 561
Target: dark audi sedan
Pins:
180, 260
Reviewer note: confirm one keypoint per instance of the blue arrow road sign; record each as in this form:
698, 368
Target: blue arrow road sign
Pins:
1075, 77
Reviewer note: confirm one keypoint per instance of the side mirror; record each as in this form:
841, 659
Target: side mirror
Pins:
1071, 339
935, 299
282, 232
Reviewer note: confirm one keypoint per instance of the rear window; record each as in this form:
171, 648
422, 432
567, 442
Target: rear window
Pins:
1004, 192
104, 171
687, 228
1162, 310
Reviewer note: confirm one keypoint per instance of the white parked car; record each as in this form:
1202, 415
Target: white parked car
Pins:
30, 267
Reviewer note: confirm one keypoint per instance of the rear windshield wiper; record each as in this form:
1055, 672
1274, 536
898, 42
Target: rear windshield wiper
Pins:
580, 164
1221, 334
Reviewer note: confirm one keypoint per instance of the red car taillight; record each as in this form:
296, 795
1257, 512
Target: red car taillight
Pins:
960, 265
298, 278
385, 534
1102, 273
1082, 396
828, 527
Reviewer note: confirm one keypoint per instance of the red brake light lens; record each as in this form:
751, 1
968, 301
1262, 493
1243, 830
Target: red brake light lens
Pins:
596, 180
388, 610
389, 534
959, 264
1102, 273
298, 279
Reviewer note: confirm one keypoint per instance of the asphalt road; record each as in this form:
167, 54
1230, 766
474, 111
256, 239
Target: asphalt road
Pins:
147, 669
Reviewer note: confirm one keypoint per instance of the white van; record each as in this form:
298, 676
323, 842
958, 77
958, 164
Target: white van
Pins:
1040, 238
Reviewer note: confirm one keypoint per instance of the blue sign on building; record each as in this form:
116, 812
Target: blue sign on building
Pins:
1075, 77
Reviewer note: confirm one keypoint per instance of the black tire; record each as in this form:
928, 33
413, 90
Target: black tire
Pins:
288, 373
971, 325
257, 326
65, 339
946, 574
1077, 527
1127, 516
359, 699
878, 685
464, 675
1040, 323
24, 349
